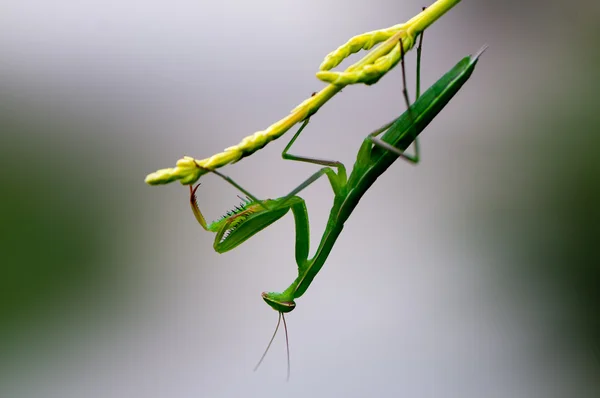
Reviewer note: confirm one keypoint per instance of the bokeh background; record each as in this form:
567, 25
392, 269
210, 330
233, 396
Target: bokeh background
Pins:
475, 274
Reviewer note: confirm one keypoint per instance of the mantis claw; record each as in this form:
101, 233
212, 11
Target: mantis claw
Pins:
196, 208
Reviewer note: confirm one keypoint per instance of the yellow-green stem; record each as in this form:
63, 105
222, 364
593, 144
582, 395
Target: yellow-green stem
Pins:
188, 170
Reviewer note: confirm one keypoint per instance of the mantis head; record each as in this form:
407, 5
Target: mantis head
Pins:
279, 302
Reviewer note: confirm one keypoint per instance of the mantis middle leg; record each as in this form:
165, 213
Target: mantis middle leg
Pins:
338, 181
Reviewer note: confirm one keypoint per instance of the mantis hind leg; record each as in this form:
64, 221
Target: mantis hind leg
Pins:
373, 136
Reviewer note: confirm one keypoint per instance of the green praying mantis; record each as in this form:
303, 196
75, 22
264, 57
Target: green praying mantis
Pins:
374, 156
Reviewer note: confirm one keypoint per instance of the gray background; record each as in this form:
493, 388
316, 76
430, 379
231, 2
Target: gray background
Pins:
474, 274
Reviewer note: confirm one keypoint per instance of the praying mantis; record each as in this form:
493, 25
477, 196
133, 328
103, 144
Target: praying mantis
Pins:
374, 156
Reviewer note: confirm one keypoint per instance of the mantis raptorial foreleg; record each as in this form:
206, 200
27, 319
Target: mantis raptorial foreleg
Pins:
254, 215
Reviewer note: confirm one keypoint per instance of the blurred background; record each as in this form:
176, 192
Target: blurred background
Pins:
475, 274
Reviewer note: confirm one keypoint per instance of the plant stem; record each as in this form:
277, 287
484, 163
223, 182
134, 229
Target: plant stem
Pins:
188, 170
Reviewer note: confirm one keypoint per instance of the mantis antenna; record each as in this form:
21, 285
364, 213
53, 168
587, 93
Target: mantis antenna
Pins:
287, 345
